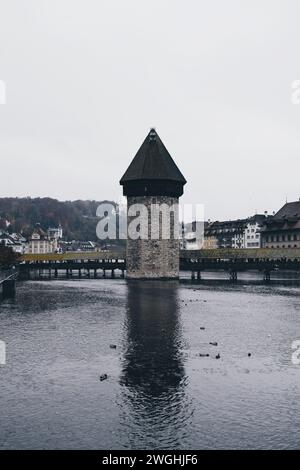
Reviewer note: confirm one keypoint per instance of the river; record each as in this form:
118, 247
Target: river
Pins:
160, 393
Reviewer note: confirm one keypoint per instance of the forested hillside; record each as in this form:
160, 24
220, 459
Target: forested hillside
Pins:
78, 218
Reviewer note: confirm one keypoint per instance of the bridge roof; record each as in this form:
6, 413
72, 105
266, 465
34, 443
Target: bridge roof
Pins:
231, 253
153, 162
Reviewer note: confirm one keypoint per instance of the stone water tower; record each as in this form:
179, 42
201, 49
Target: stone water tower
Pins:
153, 179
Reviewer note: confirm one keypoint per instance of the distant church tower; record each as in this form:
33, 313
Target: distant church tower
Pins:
153, 178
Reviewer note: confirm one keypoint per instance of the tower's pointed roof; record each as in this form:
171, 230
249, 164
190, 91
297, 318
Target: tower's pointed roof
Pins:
153, 162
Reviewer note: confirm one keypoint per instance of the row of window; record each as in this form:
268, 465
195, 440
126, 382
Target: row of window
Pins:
282, 238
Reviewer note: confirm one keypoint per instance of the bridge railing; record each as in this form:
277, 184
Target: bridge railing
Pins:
9, 274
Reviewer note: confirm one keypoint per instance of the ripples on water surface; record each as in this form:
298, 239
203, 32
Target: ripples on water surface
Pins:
159, 393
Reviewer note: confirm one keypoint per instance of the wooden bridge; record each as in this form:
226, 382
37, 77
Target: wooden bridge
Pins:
264, 260
195, 261
82, 263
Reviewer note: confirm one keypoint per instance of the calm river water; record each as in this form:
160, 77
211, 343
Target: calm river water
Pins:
159, 394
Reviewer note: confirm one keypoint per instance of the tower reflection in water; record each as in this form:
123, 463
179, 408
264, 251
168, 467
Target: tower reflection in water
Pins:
154, 409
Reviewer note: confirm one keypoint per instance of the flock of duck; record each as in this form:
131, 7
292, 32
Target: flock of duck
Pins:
202, 328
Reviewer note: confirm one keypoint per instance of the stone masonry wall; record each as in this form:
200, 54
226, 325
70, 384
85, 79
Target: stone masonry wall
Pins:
153, 259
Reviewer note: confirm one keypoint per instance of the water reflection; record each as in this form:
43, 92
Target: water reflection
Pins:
153, 375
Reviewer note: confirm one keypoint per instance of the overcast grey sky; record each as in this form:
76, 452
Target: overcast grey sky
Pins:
86, 79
